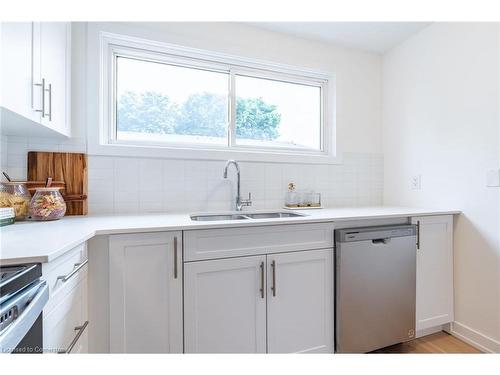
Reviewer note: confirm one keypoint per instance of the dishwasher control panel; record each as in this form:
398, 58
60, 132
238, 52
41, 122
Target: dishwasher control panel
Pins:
373, 233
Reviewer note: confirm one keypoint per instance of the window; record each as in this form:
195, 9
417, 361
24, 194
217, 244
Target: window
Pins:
167, 96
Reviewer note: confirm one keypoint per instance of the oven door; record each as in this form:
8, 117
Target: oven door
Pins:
22, 320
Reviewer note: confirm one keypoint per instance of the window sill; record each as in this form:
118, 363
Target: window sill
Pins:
209, 154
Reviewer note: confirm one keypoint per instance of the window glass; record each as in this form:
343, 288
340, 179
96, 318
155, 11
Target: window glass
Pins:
277, 114
175, 100
167, 103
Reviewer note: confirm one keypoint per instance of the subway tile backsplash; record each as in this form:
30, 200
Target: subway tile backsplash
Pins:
150, 185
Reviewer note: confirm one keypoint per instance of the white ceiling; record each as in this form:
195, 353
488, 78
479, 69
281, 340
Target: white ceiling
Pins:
376, 37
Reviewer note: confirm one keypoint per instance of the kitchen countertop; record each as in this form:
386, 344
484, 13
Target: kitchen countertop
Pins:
42, 242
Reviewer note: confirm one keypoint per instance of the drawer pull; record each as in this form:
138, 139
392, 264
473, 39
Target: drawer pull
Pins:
79, 330
78, 267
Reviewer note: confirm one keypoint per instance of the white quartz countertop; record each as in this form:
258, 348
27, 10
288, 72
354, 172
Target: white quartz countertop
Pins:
42, 242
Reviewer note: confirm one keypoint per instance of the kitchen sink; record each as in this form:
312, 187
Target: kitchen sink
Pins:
272, 215
217, 217
244, 216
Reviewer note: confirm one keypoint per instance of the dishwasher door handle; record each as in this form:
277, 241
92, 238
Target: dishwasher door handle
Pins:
381, 241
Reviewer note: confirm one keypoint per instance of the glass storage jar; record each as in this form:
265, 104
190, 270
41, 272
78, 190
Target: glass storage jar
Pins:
15, 195
306, 198
47, 204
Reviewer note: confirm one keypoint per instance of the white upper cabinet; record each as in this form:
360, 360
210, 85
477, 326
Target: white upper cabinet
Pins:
145, 293
225, 305
17, 69
36, 78
55, 60
434, 271
300, 302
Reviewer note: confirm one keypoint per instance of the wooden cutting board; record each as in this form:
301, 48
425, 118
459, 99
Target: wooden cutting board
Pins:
71, 168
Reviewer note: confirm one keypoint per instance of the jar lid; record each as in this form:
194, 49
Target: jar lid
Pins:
14, 182
48, 188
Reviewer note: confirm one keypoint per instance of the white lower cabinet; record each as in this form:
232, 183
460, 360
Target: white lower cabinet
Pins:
300, 302
225, 305
434, 305
278, 303
145, 293
65, 316
265, 290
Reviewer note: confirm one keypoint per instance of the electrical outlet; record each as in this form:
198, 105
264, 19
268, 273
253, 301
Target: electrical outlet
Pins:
415, 182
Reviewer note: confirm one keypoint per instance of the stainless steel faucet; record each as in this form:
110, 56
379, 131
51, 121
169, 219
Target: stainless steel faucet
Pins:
239, 202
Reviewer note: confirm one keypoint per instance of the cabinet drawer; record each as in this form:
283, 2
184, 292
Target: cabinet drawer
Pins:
231, 242
64, 266
59, 325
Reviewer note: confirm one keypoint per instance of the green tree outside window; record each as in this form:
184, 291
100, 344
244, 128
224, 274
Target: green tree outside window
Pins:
202, 114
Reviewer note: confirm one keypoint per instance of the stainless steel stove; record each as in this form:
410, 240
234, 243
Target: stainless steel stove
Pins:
22, 298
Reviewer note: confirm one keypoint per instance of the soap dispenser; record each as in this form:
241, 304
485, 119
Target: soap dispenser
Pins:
292, 198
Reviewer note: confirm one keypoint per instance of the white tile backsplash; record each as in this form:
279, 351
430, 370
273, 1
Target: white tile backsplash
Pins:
150, 185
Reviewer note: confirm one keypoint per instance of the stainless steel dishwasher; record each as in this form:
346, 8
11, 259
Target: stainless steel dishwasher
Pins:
375, 287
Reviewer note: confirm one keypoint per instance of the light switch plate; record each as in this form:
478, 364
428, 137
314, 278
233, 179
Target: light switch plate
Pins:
493, 178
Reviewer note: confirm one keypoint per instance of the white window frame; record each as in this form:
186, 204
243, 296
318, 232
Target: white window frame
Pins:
113, 45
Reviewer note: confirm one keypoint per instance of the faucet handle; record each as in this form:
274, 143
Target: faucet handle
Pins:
247, 202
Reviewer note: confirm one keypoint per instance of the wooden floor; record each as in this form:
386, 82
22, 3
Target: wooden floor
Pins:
440, 342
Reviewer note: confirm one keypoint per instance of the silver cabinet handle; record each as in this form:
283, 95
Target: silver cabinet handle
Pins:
42, 86
175, 258
79, 330
49, 90
262, 279
78, 267
418, 234
273, 287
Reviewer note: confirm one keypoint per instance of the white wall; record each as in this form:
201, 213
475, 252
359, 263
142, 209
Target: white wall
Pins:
120, 184
440, 120
357, 73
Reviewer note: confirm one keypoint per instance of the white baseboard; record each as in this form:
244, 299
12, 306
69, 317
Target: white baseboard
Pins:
428, 331
476, 339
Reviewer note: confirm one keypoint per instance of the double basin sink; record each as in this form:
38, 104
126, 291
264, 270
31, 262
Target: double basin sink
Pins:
245, 216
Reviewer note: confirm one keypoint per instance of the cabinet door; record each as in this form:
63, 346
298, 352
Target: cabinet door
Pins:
145, 295
225, 306
434, 271
300, 302
55, 54
17, 91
